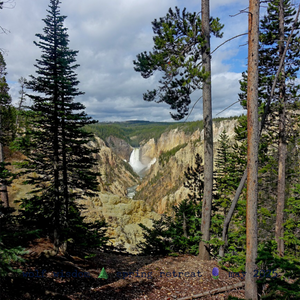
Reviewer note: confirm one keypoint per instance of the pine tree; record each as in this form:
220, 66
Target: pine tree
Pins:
60, 158
182, 52
275, 29
5, 101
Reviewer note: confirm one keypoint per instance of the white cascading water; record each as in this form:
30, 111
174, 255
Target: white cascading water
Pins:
138, 167
135, 162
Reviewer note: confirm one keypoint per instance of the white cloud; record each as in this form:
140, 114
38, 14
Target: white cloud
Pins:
109, 35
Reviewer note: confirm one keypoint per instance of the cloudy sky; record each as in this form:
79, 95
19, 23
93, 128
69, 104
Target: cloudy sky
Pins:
109, 35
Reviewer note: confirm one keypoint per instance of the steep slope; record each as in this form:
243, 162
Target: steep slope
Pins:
171, 153
116, 174
175, 151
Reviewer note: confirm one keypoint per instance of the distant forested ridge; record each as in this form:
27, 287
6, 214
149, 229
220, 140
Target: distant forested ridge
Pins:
136, 131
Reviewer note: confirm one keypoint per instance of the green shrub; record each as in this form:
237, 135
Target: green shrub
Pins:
173, 234
285, 280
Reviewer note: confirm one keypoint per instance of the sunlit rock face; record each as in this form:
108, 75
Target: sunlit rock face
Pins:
122, 215
163, 186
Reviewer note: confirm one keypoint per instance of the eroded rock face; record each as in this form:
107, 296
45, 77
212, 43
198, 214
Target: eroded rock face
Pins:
120, 147
122, 215
166, 142
116, 174
163, 186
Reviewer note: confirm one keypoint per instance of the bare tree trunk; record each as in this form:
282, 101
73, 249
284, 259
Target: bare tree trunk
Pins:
3, 187
252, 155
57, 204
208, 137
22, 99
230, 213
262, 125
282, 142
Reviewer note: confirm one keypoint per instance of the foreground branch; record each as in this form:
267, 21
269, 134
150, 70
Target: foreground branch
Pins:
215, 291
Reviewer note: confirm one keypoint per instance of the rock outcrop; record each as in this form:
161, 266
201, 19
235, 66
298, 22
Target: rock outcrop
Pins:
122, 215
116, 174
119, 146
163, 186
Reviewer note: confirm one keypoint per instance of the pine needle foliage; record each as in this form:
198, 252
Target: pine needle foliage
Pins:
59, 163
177, 53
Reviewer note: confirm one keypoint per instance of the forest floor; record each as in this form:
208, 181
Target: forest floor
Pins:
76, 277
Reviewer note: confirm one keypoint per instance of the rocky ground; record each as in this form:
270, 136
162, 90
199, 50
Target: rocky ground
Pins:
76, 277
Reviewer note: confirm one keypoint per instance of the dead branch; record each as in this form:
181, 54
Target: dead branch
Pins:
215, 291
228, 41
192, 109
242, 11
227, 107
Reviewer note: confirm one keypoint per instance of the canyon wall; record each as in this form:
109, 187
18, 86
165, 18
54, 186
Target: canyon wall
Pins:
116, 174
161, 187
175, 151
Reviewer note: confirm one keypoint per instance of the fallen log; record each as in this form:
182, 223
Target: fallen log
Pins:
215, 291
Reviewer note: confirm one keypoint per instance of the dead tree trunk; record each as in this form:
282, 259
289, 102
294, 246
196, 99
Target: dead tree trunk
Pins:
208, 137
252, 155
282, 142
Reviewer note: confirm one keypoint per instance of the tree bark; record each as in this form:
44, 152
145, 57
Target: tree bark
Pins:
3, 187
252, 155
57, 204
279, 231
262, 125
208, 137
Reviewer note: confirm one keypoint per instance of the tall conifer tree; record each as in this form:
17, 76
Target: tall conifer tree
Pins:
275, 29
5, 101
60, 158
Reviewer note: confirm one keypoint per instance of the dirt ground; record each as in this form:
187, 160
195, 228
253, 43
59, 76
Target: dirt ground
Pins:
129, 277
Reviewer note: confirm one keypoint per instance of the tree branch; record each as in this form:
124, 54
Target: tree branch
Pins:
228, 41
215, 291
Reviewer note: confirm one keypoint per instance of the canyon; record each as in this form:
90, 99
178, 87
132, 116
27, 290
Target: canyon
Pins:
138, 185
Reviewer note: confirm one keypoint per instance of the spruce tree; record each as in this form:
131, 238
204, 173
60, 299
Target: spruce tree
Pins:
5, 101
60, 159
276, 26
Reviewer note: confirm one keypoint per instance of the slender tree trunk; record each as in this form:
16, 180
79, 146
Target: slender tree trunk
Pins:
65, 175
282, 142
230, 213
262, 125
57, 204
208, 137
3, 187
22, 99
252, 155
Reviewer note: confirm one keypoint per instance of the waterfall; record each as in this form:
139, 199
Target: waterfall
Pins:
138, 167
135, 162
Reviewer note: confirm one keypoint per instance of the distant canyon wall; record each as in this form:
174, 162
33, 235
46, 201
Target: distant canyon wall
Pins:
163, 186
